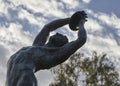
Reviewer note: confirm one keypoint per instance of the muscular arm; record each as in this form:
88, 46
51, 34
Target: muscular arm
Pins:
43, 35
67, 50
73, 46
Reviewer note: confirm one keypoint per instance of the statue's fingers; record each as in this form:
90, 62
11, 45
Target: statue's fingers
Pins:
83, 13
84, 17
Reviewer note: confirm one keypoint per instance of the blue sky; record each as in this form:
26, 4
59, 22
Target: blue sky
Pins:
21, 20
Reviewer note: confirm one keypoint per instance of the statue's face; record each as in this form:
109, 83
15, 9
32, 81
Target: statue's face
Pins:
58, 40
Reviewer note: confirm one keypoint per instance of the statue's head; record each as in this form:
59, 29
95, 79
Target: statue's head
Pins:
58, 40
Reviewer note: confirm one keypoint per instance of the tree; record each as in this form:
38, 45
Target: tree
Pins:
98, 70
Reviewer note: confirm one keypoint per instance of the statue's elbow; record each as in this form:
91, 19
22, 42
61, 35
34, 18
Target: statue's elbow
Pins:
82, 40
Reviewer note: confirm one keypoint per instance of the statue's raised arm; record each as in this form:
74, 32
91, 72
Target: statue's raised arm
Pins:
77, 22
44, 33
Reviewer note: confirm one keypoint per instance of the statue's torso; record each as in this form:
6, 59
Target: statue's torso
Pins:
29, 58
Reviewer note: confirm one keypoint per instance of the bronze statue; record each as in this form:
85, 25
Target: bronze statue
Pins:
41, 55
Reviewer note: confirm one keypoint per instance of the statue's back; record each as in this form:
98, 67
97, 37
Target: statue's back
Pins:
17, 64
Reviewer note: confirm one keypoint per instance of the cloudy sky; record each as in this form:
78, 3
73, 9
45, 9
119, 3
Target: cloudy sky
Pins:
21, 20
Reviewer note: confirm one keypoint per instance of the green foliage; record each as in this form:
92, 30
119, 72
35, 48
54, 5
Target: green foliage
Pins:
67, 74
97, 69
100, 71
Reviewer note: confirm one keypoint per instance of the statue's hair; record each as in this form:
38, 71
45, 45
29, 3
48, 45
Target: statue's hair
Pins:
58, 40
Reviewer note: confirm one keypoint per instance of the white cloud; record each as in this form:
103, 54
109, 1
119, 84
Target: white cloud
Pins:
3, 7
110, 24
14, 38
93, 25
44, 77
49, 8
71, 4
15, 34
109, 19
23, 14
101, 44
86, 1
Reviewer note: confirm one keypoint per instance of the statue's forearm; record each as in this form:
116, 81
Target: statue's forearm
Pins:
43, 35
57, 23
82, 33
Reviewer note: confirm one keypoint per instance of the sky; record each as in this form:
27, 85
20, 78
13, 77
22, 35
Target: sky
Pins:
22, 20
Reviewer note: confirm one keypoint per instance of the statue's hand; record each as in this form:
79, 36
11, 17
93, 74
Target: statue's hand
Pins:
77, 19
82, 19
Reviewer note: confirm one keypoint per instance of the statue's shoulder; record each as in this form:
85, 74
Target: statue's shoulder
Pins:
19, 54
